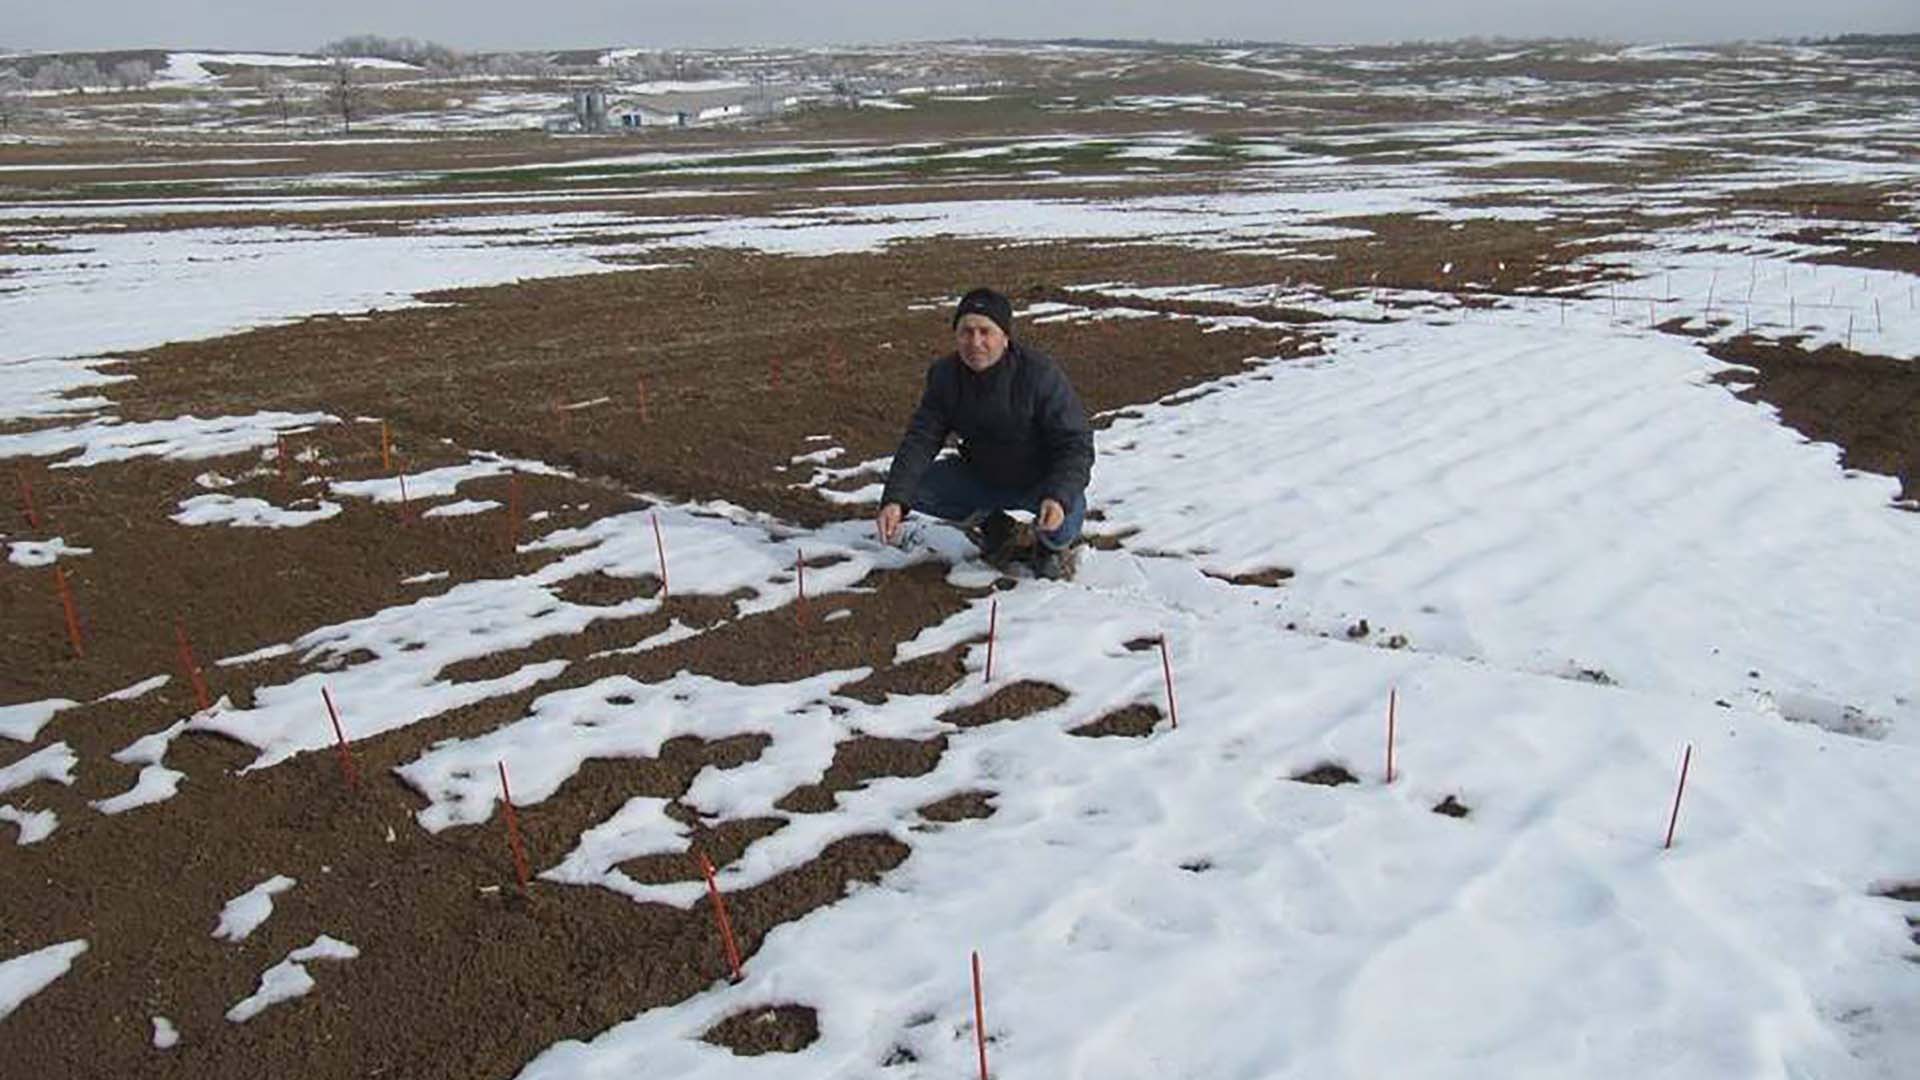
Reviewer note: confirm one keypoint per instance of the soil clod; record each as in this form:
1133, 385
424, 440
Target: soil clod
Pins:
1133, 722
1327, 774
777, 1029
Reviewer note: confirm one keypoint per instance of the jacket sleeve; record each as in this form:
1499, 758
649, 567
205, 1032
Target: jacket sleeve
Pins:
1067, 437
926, 434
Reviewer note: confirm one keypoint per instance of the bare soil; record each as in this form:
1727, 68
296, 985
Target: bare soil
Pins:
1867, 405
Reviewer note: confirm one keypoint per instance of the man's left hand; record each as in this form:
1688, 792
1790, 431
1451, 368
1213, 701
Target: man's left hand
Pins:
1052, 515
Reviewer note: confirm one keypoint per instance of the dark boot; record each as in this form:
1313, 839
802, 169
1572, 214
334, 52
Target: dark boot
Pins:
1056, 565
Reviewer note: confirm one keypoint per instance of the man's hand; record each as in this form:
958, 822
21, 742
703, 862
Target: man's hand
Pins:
887, 522
1052, 515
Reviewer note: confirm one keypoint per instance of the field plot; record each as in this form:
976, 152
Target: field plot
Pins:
444, 634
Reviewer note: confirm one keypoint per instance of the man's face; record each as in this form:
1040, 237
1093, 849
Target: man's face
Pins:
979, 341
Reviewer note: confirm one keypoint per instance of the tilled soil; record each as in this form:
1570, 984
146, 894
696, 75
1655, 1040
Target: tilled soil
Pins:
1868, 405
739, 358
488, 978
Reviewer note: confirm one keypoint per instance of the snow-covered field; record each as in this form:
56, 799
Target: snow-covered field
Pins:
1577, 556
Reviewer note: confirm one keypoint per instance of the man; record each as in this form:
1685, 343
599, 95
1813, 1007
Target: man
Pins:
1025, 443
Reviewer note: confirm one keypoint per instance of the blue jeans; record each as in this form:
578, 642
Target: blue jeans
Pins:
950, 490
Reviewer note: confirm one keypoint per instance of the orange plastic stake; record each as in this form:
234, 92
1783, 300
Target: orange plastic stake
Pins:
640, 384
26, 500
979, 1016
773, 372
1674, 818
660, 546
1393, 699
1166, 666
993, 626
280, 456
195, 677
720, 917
73, 616
800, 569
513, 833
340, 741
513, 513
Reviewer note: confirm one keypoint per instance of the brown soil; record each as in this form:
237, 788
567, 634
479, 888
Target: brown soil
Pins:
775, 1029
1132, 722
965, 806
488, 979
585, 339
860, 759
721, 844
1452, 808
1867, 405
1270, 578
935, 673
1327, 774
1863, 254
1010, 702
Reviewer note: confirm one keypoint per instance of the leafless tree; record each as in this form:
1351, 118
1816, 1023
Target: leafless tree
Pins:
13, 100
86, 74
132, 74
54, 75
345, 93
277, 91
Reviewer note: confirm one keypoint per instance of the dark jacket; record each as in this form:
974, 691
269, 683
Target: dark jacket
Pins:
1020, 424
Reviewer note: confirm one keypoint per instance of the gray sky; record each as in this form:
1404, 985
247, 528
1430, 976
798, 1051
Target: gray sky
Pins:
522, 24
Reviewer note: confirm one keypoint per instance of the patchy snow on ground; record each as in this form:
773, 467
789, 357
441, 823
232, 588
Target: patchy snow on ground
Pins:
53, 763
289, 979
34, 825
244, 913
249, 513
1541, 529
22, 722
24, 976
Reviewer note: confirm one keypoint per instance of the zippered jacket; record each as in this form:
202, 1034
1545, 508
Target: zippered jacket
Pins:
1021, 427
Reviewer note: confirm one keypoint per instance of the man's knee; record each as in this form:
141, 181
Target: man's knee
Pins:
947, 491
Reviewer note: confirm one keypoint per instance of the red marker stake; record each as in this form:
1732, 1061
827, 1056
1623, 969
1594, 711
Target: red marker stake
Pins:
1674, 819
73, 616
979, 1017
513, 513
195, 677
1393, 699
280, 457
660, 546
1166, 666
640, 385
26, 501
513, 833
800, 569
993, 626
773, 372
340, 740
720, 917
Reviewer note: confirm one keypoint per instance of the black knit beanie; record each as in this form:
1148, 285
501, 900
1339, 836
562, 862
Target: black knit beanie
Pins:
989, 303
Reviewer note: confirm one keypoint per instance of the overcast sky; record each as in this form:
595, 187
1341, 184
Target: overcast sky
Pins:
523, 24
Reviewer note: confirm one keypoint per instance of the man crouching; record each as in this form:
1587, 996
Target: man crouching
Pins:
1024, 443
